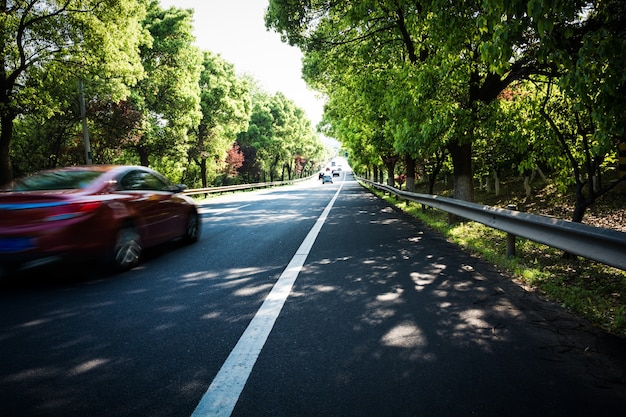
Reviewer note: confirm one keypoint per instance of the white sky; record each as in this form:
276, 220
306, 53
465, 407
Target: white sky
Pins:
235, 29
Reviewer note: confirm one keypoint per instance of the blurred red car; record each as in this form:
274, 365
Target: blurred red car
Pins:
108, 212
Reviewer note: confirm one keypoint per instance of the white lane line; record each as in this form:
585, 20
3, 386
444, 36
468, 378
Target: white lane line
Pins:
224, 391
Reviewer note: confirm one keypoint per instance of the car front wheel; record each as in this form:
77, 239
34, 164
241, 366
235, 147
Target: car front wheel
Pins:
192, 229
127, 249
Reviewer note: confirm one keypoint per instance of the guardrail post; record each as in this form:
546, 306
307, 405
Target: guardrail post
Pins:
510, 237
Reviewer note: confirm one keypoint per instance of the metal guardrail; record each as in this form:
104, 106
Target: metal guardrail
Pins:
606, 246
240, 187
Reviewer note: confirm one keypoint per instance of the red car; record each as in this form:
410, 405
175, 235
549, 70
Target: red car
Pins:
108, 212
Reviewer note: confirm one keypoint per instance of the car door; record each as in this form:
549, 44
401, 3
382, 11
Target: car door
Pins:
153, 205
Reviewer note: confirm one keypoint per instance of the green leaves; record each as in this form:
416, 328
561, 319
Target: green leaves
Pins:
279, 135
47, 46
413, 78
169, 96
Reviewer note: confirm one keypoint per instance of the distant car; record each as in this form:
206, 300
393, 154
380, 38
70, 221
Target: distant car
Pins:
327, 178
109, 212
336, 173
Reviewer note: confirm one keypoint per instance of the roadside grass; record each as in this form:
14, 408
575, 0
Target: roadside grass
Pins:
586, 288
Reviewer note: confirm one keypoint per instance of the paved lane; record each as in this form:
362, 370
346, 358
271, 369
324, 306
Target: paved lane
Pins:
148, 342
388, 319
384, 319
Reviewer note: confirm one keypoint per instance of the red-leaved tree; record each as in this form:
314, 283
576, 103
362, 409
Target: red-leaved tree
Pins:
234, 161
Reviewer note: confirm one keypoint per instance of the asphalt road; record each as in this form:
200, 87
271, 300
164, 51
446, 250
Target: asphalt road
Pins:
383, 318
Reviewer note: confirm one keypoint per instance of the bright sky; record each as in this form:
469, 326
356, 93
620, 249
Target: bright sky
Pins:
235, 29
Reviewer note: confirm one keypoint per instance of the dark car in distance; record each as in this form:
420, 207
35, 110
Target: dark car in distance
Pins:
106, 212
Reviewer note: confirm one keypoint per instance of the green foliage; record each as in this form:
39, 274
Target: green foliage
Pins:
279, 138
225, 103
152, 97
465, 82
406, 78
169, 96
57, 43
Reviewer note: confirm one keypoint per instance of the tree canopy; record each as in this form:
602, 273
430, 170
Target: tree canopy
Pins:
46, 41
152, 97
412, 80
476, 88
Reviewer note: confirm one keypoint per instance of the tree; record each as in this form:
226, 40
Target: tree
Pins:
278, 135
443, 43
356, 110
234, 161
352, 50
581, 43
581, 152
44, 140
169, 96
226, 109
344, 119
594, 82
52, 138
62, 40
256, 141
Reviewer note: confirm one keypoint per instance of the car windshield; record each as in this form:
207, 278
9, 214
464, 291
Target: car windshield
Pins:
56, 180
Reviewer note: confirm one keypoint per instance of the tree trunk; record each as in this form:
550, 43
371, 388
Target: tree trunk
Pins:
527, 189
390, 165
541, 174
390, 176
462, 163
6, 133
463, 181
431, 183
143, 156
582, 203
273, 168
203, 176
410, 173
496, 180
202, 134
287, 169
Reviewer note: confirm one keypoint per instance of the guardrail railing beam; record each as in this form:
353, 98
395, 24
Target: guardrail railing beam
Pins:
606, 246
241, 187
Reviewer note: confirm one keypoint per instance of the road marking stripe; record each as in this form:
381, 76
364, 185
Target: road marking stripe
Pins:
224, 391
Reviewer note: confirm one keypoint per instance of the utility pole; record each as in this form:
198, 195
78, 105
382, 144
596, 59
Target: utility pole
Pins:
83, 115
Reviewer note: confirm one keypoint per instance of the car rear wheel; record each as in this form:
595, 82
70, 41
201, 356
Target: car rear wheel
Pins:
192, 229
127, 249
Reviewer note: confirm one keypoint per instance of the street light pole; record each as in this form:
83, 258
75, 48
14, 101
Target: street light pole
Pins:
83, 115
